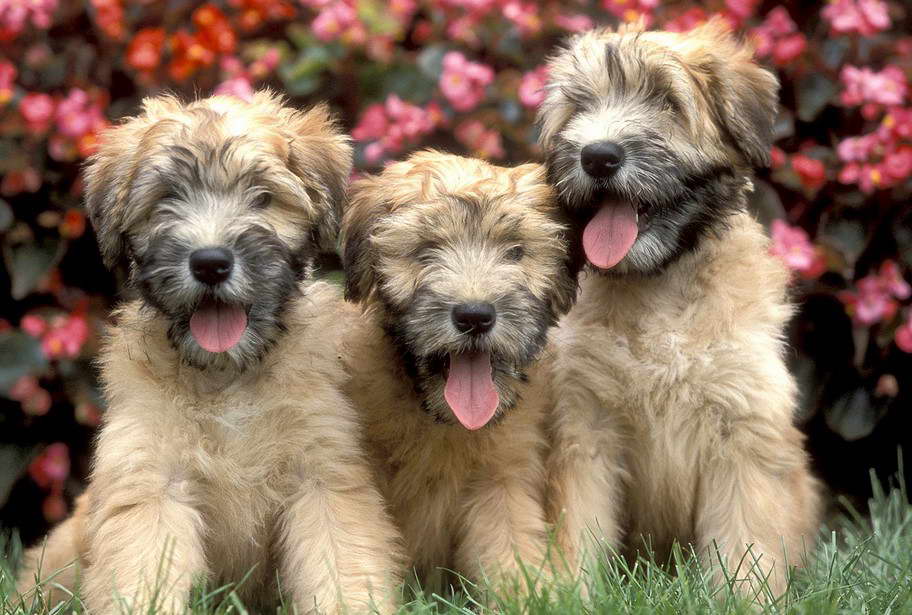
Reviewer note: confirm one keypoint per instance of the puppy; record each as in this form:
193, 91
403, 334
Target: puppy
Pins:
674, 415
462, 268
226, 447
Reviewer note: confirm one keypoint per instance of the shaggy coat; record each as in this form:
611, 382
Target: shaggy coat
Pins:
674, 408
223, 465
424, 236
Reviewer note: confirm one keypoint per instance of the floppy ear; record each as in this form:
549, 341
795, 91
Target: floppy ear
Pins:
530, 180
321, 155
365, 210
744, 95
109, 174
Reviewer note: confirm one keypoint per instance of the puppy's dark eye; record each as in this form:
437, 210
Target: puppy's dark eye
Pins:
261, 201
515, 253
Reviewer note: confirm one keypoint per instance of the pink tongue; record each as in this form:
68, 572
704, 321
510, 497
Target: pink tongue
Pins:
610, 234
217, 327
470, 389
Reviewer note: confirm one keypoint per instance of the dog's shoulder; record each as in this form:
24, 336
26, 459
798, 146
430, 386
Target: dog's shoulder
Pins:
311, 346
135, 339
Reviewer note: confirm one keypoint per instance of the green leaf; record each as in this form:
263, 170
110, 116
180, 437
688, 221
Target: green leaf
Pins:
854, 415
13, 461
20, 354
814, 93
304, 74
6, 215
430, 61
846, 236
765, 203
28, 263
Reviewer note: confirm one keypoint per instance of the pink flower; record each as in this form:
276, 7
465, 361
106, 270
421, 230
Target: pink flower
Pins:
339, 20
866, 17
688, 20
24, 387
742, 9
892, 281
778, 37
788, 48
874, 299
463, 83
52, 466
856, 149
481, 141
897, 164
77, 115
372, 124
792, 245
531, 90
393, 125
38, 110
862, 85
524, 16
903, 335
15, 13
65, 337
33, 325
573, 23
239, 87
631, 10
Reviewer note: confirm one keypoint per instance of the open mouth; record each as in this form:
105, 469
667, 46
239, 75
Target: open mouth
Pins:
469, 389
611, 232
218, 326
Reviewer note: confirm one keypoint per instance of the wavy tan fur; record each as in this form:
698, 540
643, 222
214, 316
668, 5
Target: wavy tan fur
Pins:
209, 466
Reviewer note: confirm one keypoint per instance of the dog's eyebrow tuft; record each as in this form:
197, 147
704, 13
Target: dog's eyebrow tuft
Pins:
614, 66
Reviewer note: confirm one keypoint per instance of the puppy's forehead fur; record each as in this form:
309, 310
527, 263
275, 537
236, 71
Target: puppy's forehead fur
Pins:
446, 197
221, 145
447, 202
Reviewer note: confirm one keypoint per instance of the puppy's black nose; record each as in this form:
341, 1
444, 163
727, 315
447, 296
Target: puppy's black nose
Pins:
602, 158
211, 265
474, 318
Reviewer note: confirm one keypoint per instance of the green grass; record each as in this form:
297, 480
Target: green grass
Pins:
861, 565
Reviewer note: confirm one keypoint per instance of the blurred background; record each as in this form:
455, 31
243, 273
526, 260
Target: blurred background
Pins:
466, 76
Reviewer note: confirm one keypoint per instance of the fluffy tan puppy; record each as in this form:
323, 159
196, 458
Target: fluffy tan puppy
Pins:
226, 447
461, 267
674, 416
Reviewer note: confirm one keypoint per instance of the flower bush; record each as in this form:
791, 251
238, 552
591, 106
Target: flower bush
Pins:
467, 76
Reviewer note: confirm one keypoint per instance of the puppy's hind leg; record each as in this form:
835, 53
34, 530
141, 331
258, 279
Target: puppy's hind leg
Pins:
57, 560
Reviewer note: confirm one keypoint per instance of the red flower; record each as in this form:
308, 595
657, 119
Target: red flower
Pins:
903, 335
482, 142
109, 17
145, 50
810, 171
